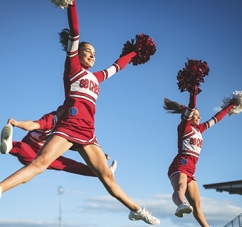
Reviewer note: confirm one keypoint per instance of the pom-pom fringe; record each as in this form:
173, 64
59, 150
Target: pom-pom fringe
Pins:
62, 3
143, 45
192, 75
237, 95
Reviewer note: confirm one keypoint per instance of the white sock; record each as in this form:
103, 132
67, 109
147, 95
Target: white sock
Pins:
139, 210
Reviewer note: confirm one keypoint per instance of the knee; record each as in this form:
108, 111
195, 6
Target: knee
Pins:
108, 181
108, 178
180, 188
40, 164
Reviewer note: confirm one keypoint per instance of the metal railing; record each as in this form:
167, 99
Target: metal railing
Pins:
236, 222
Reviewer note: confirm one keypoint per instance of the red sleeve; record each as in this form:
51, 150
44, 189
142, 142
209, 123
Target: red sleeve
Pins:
185, 125
216, 118
192, 101
72, 59
73, 19
125, 60
47, 121
115, 67
221, 114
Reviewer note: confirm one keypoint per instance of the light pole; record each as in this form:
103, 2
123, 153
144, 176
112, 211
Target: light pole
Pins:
60, 192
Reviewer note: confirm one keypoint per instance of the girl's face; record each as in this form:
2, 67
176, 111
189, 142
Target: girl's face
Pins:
195, 117
87, 55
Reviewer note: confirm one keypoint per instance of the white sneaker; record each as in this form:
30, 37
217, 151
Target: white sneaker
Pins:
6, 139
113, 166
183, 208
144, 215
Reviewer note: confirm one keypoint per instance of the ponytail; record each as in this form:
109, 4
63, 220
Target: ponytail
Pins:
173, 107
64, 35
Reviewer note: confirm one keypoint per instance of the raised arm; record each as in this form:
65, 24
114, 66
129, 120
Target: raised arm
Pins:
185, 125
217, 117
72, 59
115, 67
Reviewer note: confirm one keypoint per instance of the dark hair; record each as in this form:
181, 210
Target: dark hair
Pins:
64, 36
173, 107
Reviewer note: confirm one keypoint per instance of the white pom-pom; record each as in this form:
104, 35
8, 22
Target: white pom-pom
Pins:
236, 109
62, 3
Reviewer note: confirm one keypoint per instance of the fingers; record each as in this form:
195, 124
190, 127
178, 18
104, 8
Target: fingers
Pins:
12, 122
234, 101
107, 157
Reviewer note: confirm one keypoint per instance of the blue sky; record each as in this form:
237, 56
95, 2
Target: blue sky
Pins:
131, 125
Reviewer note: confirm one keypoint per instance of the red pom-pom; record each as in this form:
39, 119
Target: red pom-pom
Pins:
192, 75
143, 45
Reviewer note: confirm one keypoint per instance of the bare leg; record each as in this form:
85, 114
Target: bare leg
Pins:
193, 197
179, 184
53, 148
96, 160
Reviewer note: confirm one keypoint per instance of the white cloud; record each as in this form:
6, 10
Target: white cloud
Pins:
217, 212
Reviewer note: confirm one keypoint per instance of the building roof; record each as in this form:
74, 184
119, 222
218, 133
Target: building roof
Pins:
232, 187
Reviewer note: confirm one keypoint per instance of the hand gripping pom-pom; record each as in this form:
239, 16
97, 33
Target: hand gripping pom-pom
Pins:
143, 45
192, 75
62, 3
237, 95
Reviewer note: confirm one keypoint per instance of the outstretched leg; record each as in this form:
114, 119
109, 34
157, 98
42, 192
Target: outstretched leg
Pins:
96, 160
53, 148
192, 195
26, 154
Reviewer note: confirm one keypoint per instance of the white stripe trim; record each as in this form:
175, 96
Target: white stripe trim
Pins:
83, 97
64, 134
35, 141
73, 37
72, 55
72, 45
211, 122
77, 75
111, 70
174, 174
191, 154
188, 134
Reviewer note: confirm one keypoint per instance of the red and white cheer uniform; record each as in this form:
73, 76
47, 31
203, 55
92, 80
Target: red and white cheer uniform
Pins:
190, 140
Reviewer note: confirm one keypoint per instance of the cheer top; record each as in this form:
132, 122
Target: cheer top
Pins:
190, 136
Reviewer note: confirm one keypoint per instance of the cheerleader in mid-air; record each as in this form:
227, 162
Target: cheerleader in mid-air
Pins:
182, 169
75, 127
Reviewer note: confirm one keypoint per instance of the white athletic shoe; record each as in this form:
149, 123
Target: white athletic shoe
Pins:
113, 166
183, 208
144, 215
6, 139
